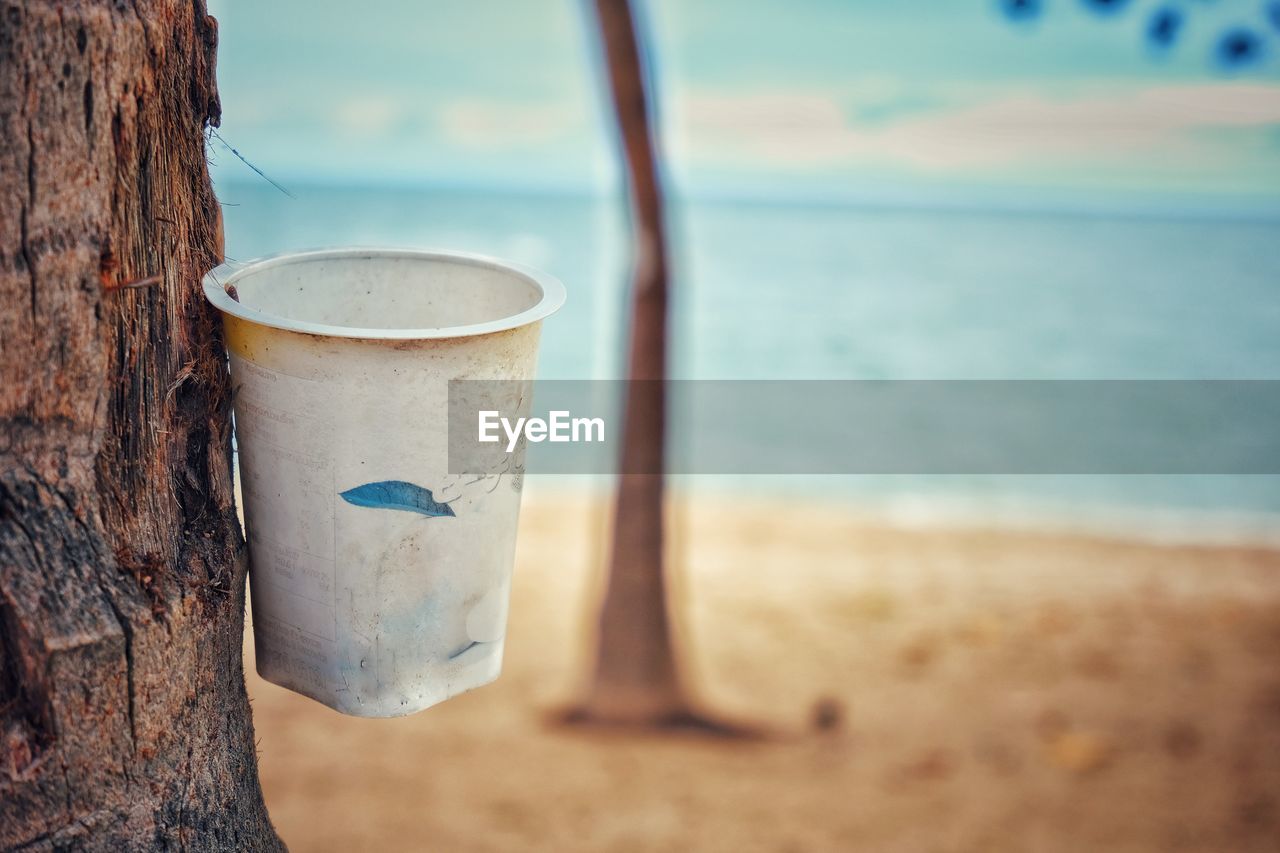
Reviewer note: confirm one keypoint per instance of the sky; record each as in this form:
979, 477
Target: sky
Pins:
820, 99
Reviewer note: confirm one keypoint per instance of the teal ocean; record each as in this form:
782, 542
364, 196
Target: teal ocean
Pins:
825, 291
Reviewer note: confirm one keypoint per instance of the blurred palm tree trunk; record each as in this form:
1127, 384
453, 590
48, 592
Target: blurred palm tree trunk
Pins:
636, 678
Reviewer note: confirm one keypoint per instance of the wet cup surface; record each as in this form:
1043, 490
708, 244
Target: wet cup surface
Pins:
379, 581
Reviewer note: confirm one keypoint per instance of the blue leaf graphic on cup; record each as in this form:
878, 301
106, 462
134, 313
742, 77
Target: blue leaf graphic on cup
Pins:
397, 494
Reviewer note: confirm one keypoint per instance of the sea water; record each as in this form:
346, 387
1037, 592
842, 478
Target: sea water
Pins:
827, 291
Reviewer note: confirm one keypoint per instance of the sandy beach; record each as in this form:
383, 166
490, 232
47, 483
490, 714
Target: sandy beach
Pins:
979, 691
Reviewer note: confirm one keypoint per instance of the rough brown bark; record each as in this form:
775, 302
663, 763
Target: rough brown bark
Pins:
124, 722
636, 678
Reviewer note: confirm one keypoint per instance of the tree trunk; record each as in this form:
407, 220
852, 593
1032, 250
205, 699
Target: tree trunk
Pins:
123, 715
637, 679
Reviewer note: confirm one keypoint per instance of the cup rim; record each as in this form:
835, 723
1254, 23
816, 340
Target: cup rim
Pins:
228, 273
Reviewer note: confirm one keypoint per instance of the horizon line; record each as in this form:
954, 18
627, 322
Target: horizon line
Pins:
975, 199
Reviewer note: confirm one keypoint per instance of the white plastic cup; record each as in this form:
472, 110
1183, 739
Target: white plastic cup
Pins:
379, 581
